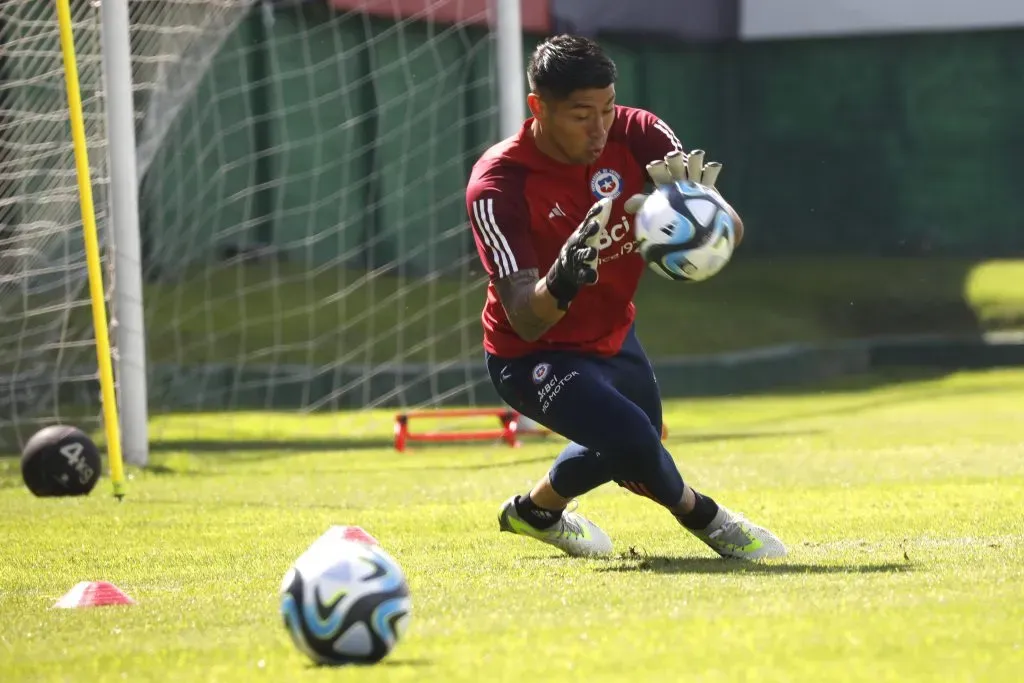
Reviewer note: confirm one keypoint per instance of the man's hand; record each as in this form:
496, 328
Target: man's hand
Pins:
676, 167
576, 264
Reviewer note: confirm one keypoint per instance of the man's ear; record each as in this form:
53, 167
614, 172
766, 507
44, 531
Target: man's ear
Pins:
535, 104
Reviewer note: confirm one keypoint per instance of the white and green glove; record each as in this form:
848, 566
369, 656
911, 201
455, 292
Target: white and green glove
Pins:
677, 167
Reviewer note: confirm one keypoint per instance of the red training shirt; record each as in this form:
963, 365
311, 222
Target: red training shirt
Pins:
523, 205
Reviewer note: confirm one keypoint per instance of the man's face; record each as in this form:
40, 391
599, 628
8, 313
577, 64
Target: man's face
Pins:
578, 126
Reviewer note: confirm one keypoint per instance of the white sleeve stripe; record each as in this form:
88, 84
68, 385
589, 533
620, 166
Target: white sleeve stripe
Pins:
504, 243
483, 211
488, 238
663, 127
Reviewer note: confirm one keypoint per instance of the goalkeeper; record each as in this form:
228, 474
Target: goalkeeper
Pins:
550, 210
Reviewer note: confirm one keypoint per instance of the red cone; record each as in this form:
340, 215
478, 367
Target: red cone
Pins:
93, 594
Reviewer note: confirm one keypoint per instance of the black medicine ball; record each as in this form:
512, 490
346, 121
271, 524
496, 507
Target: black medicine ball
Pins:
60, 460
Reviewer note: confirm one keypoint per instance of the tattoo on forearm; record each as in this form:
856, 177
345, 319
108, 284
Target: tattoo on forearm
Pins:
516, 294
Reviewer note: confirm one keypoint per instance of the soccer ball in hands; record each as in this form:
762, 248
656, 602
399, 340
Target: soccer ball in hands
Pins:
685, 231
345, 601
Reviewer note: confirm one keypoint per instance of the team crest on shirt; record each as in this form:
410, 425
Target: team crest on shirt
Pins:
606, 182
541, 372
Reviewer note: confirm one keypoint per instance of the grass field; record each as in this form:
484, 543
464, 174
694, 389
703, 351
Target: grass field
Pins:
901, 503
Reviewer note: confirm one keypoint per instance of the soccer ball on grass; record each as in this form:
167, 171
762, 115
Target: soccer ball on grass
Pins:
686, 231
345, 601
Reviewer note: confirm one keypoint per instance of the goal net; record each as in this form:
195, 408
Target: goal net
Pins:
48, 362
301, 197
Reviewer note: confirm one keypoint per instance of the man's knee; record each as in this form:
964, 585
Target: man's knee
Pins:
656, 477
648, 446
638, 447
641, 464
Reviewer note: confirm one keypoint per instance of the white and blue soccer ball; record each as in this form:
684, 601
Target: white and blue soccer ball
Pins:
345, 601
685, 232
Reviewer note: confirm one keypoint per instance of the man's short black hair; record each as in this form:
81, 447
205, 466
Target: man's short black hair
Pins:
563, 64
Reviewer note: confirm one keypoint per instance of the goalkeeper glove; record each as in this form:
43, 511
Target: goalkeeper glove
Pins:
677, 167
576, 264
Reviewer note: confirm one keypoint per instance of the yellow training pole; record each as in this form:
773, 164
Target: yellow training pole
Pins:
92, 250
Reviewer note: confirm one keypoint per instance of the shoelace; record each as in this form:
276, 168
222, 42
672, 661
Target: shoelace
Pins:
567, 528
727, 529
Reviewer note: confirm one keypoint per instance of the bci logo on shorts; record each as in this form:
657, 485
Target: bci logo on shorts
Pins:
541, 372
550, 390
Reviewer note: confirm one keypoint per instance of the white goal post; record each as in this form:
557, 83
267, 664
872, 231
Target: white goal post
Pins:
213, 123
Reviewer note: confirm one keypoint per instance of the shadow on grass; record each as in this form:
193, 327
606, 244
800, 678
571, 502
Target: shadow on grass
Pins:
397, 662
707, 565
235, 454
276, 448
306, 445
548, 458
160, 469
739, 435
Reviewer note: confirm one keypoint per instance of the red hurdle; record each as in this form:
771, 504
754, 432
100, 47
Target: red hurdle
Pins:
508, 432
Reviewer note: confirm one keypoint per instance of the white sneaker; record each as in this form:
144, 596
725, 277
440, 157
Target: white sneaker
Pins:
732, 535
573, 534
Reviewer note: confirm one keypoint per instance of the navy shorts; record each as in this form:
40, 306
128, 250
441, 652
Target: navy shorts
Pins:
602, 403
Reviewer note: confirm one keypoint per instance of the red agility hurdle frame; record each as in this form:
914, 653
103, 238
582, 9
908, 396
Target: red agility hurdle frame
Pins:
508, 432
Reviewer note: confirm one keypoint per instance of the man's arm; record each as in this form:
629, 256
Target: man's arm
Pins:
530, 308
650, 138
533, 303
501, 230
656, 147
